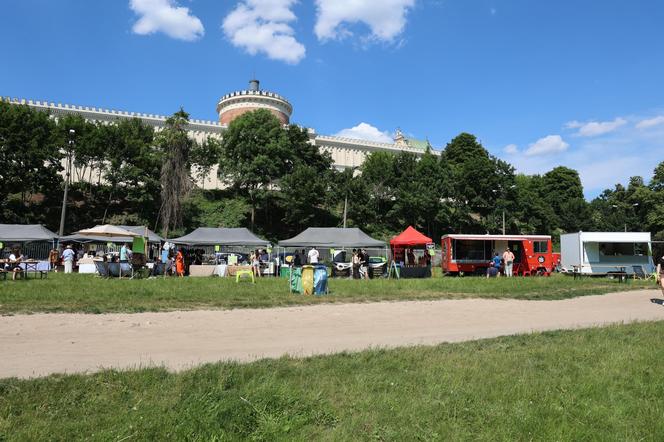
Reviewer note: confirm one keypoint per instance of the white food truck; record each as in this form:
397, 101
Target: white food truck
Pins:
602, 253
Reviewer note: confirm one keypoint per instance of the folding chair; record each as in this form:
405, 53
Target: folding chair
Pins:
639, 273
102, 268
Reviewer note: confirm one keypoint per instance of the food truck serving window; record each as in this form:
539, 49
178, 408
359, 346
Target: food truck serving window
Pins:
623, 249
470, 250
541, 246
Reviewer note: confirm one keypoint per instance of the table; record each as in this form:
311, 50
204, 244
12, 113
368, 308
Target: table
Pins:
34, 267
232, 270
415, 272
199, 271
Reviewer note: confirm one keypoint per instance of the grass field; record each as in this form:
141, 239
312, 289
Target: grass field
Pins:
89, 294
596, 384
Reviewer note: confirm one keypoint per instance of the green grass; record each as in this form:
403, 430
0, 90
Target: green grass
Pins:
597, 384
86, 293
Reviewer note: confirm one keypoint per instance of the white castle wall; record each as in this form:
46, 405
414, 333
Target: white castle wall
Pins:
345, 152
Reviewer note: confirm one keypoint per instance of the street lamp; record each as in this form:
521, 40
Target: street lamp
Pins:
615, 206
69, 152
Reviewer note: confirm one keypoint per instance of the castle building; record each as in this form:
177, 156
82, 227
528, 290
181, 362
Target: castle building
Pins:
345, 152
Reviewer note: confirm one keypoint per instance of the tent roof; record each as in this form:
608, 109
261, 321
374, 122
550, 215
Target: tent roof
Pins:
107, 230
410, 237
95, 239
152, 237
209, 236
25, 232
332, 237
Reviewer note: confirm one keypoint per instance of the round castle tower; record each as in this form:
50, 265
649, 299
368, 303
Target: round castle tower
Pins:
233, 105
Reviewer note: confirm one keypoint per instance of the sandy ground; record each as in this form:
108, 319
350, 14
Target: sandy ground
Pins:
41, 344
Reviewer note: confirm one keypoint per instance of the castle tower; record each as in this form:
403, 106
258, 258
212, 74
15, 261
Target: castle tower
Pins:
232, 105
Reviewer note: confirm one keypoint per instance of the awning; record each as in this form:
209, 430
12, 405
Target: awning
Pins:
332, 237
108, 230
210, 236
410, 238
25, 233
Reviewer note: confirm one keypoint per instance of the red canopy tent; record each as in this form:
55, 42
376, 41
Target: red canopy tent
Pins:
410, 238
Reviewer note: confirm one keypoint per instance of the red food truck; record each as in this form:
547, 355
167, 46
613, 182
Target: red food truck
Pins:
472, 254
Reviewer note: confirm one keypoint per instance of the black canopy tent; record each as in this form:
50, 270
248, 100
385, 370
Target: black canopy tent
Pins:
221, 236
35, 240
330, 238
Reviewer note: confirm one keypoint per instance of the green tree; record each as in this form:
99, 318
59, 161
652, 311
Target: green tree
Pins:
176, 182
30, 161
563, 191
254, 154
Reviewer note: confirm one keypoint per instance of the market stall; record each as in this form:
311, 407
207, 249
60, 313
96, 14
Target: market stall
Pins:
34, 240
334, 245
411, 252
112, 236
222, 251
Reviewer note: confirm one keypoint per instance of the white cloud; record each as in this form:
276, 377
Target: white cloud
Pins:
262, 26
604, 162
364, 131
650, 122
511, 149
595, 128
385, 18
547, 145
167, 17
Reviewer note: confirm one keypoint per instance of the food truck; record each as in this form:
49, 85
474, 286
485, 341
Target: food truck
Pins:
603, 253
471, 254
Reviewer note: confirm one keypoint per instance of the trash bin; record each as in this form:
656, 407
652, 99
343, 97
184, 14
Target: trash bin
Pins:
284, 272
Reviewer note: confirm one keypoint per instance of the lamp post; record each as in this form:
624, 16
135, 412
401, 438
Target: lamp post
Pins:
635, 205
69, 152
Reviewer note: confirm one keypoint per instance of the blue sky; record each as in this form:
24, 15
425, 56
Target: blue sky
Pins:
540, 83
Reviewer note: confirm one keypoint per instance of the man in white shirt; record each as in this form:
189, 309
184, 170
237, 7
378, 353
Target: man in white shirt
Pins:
313, 256
68, 259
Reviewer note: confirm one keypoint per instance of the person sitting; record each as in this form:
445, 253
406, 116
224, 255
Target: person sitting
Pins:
492, 272
15, 259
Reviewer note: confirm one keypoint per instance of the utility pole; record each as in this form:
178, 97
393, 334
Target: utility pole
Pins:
345, 209
503, 222
70, 151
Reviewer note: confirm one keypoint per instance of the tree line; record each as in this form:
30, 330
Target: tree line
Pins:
277, 183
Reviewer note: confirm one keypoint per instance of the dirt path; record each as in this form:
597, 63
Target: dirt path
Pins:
37, 345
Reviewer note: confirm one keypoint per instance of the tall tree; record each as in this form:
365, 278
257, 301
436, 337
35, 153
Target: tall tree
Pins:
254, 154
175, 146
29, 160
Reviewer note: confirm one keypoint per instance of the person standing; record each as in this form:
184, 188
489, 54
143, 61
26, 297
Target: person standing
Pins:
68, 256
355, 261
313, 256
179, 263
660, 274
53, 258
496, 261
364, 264
256, 263
508, 257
